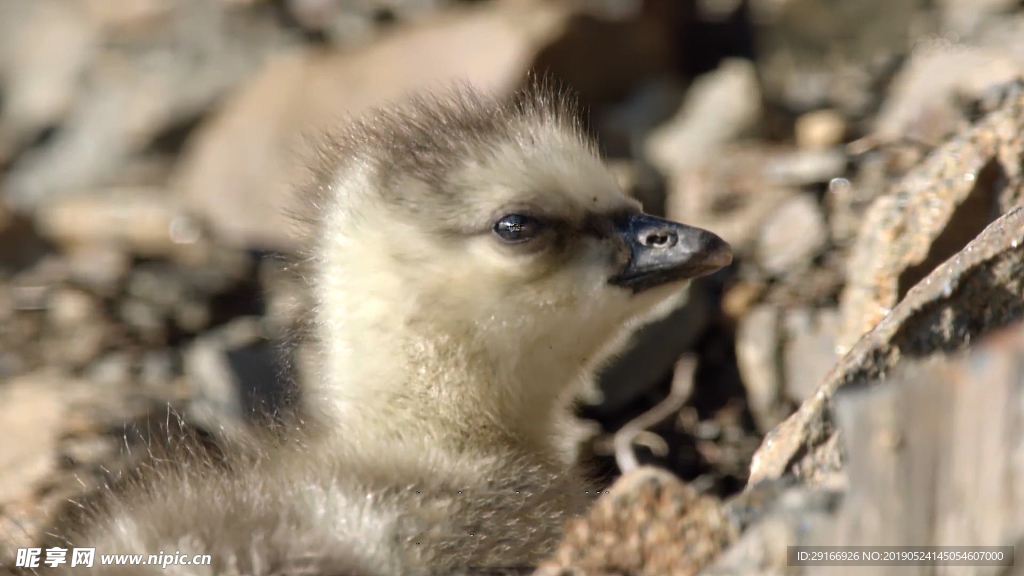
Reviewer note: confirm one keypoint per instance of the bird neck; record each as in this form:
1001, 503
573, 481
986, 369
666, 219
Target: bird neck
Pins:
397, 379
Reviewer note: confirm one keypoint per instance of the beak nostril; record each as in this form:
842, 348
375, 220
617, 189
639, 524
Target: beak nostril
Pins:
659, 239
662, 252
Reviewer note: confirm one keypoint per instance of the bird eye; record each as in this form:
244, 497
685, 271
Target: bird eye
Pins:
517, 227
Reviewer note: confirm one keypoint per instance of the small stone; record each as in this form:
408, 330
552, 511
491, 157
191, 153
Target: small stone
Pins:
819, 129
192, 316
220, 392
810, 350
138, 219
144, 318
757, 356
68, 308
793, 235
650, 522
31, 412
984, 287
804, 167
157, 368
719, 106
114, 369
100, 267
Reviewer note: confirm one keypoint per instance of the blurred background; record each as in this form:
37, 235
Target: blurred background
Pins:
147, 149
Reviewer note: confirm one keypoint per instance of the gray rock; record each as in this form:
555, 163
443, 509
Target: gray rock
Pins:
149, 81
803, 167
731, 193
792, 236
719, 107
965, 17
45, 46
810, 349
758, 356
821, 53
931, 213
980, 289
924, 103
100, 267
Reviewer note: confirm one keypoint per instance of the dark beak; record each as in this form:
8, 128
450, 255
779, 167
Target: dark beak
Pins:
662, 251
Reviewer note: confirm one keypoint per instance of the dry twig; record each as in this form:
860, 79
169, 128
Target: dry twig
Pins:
627, 436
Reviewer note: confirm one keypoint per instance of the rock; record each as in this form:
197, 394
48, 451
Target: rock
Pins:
215, 391
740, 298
45, 46
923, 101
758, 342
101, 267
792, 236
158, 368
932, 449
821, 54
931, 213
965, 17
625, 127
931, 456
128, 14
804, 167
981, 288
820, 129
734, 192
810, 349
68, 308
650, 522
113, 371
145, 84
158, 285
730, 194
78, 329
139, 221
773, 516
144, 319
719, 107
32, 408
349, 22
31, 288
246, 201
93, 450
191, 316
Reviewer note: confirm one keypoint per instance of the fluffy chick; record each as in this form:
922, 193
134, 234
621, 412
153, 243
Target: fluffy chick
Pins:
474, 262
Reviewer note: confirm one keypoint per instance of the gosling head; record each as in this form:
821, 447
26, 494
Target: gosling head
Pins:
490, 235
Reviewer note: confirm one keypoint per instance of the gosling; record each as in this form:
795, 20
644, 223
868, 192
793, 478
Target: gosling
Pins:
474, 262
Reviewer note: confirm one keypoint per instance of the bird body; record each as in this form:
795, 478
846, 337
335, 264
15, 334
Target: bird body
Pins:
473, 262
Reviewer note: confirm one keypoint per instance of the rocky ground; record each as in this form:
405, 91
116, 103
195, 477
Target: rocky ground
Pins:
864, 159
